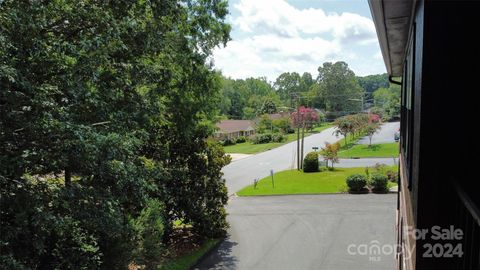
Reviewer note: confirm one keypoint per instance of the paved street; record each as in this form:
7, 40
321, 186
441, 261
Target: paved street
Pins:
385, 135
307, 232
242, 172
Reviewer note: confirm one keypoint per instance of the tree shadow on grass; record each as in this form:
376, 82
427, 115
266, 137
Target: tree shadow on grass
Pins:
219, 258
373, 147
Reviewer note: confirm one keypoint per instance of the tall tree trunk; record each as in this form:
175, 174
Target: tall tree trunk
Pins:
303, 138
298, 148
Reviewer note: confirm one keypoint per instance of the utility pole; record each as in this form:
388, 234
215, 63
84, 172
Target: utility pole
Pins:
303, 139
294, 98
298, 136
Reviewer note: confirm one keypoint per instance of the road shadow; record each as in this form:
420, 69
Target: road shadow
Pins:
220, 258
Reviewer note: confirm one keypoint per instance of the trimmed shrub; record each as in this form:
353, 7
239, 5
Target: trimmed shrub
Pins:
310, 162
278, 138
227, 142
261, 138
379, 183
241, 139
356, 182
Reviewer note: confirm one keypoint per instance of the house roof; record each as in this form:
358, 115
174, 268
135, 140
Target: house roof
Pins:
228, 126
392, 21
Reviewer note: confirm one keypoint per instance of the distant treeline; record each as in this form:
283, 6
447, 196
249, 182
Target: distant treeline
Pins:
335, 89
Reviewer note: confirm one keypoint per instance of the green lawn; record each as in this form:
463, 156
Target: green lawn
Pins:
250, 148
297, 182
322, 127
375, 150
187, 261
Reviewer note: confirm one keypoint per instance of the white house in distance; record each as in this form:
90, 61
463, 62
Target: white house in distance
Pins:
231, 129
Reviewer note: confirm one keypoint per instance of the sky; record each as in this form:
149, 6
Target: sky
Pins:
270, 37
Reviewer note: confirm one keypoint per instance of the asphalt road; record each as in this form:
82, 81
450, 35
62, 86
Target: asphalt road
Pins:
241, 173
307, 232
385, 135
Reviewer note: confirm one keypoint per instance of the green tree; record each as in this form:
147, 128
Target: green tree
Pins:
104, 105
330, 153
344, 126
286, 84
339, 87
370, 130
371, 83
387, 101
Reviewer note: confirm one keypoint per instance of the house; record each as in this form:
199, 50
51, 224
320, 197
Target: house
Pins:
231, 129
430, 49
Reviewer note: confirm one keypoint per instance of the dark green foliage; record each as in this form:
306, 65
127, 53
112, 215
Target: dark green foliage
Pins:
204, 182
149, 227
277, 137
261, 138
283, 125
356, 182
241, 139
247, 99
387, 102
79, 228
267, 138
379, 182
338, 89
103, 106
370, 83
228, 142
310, 162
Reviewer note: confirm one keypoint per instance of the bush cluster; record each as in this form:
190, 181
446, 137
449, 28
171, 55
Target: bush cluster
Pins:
267, 138
356, 182
310, 162
379, 183
376, 181
228, 142
241, 139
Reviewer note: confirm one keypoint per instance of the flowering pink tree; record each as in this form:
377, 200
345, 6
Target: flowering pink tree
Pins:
304, 117
373, 118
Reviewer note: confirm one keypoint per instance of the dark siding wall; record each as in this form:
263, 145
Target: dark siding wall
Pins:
445, 105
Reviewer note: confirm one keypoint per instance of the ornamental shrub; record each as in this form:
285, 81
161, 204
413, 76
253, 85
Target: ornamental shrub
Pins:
379, 183
241, 139
228, 142
261, 138
310, 162
278, 138
356, 182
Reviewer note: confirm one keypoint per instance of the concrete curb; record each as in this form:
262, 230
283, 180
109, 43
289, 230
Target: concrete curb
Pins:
315, 194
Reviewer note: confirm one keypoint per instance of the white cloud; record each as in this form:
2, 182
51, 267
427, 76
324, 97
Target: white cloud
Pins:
270, 55
279, 37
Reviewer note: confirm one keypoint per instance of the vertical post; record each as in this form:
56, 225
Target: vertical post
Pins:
303, 139
273, 182
298, 135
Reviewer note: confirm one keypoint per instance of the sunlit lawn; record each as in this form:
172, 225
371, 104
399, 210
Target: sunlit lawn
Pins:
250, 148
375, 150
298, 182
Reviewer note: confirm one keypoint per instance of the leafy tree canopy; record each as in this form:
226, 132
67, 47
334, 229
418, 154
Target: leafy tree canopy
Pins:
103, 105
